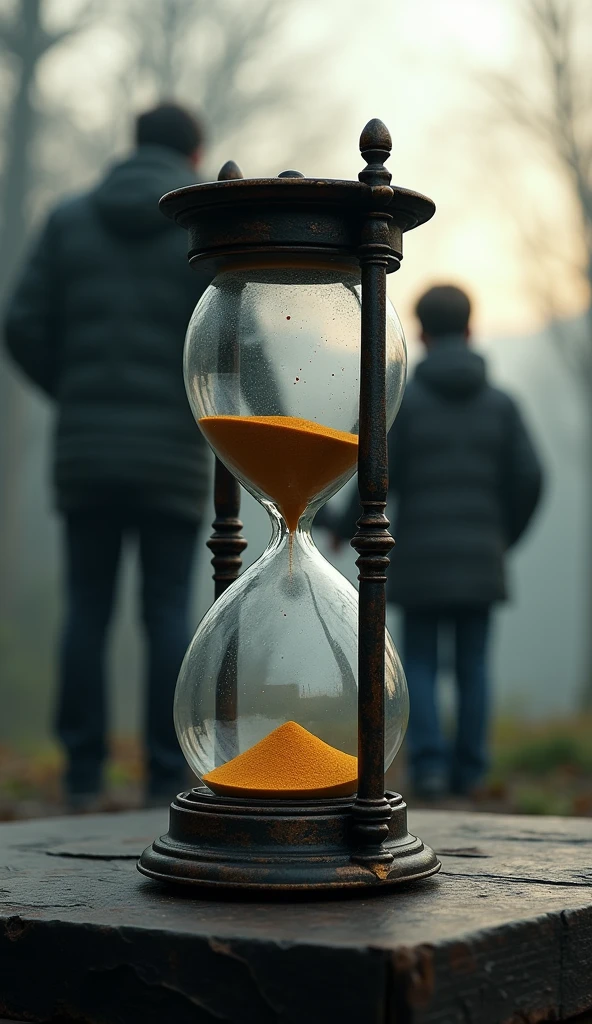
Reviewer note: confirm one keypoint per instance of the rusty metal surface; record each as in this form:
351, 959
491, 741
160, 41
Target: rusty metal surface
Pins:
288, 216
413, 206
279, 845
372, 540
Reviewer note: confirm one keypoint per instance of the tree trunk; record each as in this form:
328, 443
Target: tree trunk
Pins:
586, 692
15, 190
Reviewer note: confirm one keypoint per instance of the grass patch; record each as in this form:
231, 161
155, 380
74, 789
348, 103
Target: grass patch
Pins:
542, 749
540, 768
543, 768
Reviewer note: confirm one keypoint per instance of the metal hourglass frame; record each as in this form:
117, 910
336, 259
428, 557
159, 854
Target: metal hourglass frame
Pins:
345, 842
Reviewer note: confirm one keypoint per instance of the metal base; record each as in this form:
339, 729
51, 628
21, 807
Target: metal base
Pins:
274, 845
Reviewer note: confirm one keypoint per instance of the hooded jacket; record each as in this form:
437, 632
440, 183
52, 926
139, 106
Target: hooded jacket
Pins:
98, 322
466, 479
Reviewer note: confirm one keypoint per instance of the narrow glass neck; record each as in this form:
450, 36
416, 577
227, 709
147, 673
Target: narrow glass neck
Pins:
298, 540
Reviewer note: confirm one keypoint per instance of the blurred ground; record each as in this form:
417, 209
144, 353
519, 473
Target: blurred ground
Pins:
543, 768
537, 769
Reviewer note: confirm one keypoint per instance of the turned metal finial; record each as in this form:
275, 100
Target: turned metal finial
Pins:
230, 172
375, 147
290, 174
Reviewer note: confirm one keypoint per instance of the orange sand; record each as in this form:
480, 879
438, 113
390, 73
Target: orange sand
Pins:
291, 763
291, 460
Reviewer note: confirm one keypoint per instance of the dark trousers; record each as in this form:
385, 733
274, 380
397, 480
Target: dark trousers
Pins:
463, 765
93, 547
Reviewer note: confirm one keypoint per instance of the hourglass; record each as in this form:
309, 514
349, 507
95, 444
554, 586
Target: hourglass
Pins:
291, 701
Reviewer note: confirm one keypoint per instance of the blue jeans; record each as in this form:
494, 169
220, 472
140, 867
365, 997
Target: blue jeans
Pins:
93, 545
463, 766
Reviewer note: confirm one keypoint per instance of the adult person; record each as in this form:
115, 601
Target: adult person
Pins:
97, 322
466, 479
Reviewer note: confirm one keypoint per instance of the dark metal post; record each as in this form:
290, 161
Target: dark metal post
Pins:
226, 542
227, 545
372, 541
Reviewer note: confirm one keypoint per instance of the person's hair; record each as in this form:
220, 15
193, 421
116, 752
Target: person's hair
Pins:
172, 126
442, 310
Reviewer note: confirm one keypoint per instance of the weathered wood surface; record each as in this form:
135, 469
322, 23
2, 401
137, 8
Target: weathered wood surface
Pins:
503, 934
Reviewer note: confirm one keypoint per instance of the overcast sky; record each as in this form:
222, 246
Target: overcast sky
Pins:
419, 69
417, 65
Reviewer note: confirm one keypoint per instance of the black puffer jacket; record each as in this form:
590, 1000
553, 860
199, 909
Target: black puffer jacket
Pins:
98, 322
467, 481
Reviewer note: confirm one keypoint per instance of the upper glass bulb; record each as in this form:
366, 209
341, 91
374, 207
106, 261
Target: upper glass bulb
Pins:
284, 341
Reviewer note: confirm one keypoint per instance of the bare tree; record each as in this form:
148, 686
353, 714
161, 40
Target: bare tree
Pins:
227, 57
553, 109
224, 58
25, 41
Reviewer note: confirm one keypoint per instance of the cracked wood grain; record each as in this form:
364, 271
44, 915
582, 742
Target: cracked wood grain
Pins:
505, 935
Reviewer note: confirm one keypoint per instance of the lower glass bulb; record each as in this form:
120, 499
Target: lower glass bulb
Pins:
266, 702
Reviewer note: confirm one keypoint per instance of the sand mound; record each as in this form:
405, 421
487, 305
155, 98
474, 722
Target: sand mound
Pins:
291, 763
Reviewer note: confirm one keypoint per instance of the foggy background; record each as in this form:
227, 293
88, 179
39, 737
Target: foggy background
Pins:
489, 105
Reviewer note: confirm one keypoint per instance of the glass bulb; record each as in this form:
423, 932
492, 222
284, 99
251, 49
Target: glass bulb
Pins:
280, 645
272, 362
283, 341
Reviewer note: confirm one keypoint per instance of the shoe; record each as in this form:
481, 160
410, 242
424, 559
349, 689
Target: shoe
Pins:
432, 788
152, 802
473, 790
83, 803
162, 794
